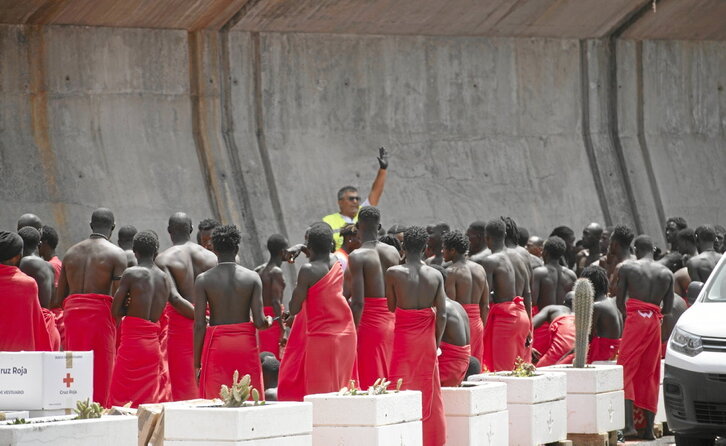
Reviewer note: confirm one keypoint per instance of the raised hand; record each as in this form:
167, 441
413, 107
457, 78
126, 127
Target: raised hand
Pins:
382, 158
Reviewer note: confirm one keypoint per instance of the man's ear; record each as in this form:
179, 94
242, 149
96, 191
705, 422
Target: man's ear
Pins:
379, 226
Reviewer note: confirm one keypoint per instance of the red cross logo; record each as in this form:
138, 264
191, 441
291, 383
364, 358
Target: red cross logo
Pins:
68, 380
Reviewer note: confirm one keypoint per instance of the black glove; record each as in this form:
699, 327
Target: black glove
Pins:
382, 158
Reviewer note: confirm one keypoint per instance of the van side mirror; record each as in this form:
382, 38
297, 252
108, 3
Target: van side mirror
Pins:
694, 289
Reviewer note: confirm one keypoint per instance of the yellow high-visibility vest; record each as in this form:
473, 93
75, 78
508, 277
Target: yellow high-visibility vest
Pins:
337, 222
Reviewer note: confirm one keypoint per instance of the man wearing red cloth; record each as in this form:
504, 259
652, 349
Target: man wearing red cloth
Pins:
139, 303
642, 287
416, 294
90, 275
273, 285
22, 326
367, 265
507, 329
607, 322
48, 244
561, 324
183, 262
455, 345
320, 354
229, 343
466, 283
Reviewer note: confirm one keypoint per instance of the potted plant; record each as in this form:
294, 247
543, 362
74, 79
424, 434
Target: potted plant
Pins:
476, 414
595, 397
90, 426
373, 417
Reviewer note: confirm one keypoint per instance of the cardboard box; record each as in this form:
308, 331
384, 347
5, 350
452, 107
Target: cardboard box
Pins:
45, 380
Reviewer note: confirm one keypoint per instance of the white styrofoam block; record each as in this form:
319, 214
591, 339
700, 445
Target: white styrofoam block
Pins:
296, 440
116, 430
239, 423
402, 434
660, 415
331, 409
591, 379
491, 429
474, 398
534, 424
595, 413
544, 386
50, 413
14, 415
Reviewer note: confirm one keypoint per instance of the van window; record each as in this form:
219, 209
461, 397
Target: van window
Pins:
717, 291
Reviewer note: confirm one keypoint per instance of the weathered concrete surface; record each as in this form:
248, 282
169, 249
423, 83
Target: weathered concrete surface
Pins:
681, 20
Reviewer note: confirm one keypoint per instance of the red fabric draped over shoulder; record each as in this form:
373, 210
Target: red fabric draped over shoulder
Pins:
22, 325
375, 341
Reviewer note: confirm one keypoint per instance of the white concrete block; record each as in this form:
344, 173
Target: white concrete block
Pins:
107, 431
535, 424
491, 429
402, 434
474, 398
331, 409
592, 379
14, 415
274, 419
660, 415
543, 387
296, 440
595, 413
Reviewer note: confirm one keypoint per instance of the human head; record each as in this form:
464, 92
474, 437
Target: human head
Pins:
496, 230
598, 277
568, 235
512, 237
369, 220
389, 239
672, 226
48, 242
180, 227
225, 240
126, 236
474, 367
276, 245
705, 237
397, 231
11, 248
643, 246
145, 245
454, 242
102, 221
476, 233
535, 246
686, 241
351, 239
31, 240
320, 238
605, 239
270, 371
29, 220
554, 249
523, 237
204, 232
620, 241
414, 240
348, 201
435, 237
591, 236
720, 238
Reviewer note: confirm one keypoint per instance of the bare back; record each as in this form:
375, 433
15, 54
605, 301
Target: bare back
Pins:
682, 280
146, 289
466, 283
550, 285
184, 263
701, 266
231, 291
522, 274
44, 276
368, 265
91, 266
500, 276
607, 322
413, 286
645, 280
273, 284
457, 325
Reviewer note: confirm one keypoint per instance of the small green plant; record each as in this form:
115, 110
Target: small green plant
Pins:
20, 421
86, 410
380, 387
523, 369
240, 392
582, 303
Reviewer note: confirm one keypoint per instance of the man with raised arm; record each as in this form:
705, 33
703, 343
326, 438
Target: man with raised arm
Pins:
466, 283
89, 278
125, 241
607, 322
229, 343
643, 286
184, 261
367, 266
701, 266
416, 294
508, 326
273, 285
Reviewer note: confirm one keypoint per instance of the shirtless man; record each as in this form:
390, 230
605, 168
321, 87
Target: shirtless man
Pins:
605, 240
34, 266
477, 242
125, 241
29, 220
273, 286
204, 232
435, 244
561, 322
184, 261
46, 249
673, 258
89, 277
367, 266
591, 237
646, 285
535, 245
618, 253
455, 345
233, 293
688, 248
520, 261
568, 235
607, 322
701, 266
512, 244
466, 283
720, 244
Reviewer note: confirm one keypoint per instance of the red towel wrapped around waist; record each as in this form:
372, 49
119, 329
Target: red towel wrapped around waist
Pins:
291, 378
453, 363
640, 353
180, 355
603, 349
563, 341
228, 348
269, 340
53, 334
22, 325
541, 335
476, 328
414, 360
505, 335
136, 372
165, 394
90, 326
375, 341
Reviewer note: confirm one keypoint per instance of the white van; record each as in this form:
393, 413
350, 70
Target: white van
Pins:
694, 386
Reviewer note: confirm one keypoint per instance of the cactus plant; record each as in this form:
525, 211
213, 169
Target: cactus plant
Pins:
240, 392
582, 304
523, 369
86, 410
379, 387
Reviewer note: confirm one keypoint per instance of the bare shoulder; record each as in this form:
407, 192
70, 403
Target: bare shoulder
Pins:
396, 270
386, 249
540, 271
569, 273
475, 267
135, 272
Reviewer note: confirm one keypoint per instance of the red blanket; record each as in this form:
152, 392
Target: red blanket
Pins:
165, 394
180, 353
53, 334
541, 335
269, 340
90, 326
22, 325
228, 348
136, 372
505, 334
640, 353
476, 328
57, 265
562, 331
603, 349
453, 364
60, 325
291, 378
375, 341
414, 360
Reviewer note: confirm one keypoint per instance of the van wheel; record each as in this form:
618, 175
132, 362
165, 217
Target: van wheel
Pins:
685, 440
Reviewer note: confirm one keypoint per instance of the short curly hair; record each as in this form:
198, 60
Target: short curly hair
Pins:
320, 237
623, 235
369, 214
496, 229
415, 238
226, 238
598, 277
679, 221
145, 243
706, 233
555, 247
456, 240
49, 235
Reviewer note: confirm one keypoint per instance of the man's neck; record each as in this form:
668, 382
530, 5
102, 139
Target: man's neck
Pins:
146, 262
552, 262
458, 259
275, 261
369, 236
347, 215
30, 253
600, 297
227, 257
496, 246
413, 258
319, 256
705, 248
179, 239
101, 233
